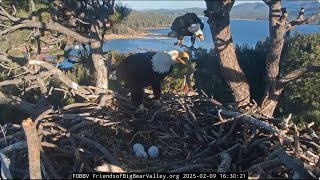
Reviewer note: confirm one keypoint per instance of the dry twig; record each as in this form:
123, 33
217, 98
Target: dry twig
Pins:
33, 148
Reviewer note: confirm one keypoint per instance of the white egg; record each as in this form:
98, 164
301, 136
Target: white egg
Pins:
153, 152
137, 147
141, 154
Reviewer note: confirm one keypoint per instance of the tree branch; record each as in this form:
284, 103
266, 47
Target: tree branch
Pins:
5, 166
6, 14
48, 26
293, 75
303, 21
32, 9
61, 75
33, 148
20, 104
25, 78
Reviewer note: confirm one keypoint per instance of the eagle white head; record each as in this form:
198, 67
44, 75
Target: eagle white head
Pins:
196, 29
162, 61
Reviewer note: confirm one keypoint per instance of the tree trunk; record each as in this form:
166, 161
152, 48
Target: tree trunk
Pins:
218, 13
271, 102
275, 45
101, 71
275, 42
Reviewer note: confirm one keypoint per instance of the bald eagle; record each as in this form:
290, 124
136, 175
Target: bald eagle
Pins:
301, 14
187, 25
147, 69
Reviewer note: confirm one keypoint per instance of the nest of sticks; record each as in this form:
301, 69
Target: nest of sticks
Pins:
193, 134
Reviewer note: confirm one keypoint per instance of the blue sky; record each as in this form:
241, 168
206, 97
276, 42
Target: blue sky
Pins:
170, 4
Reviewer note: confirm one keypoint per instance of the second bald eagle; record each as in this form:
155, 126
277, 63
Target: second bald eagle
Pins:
187, 25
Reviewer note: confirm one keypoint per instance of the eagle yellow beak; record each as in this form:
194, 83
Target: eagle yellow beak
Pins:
183, 55
201, 37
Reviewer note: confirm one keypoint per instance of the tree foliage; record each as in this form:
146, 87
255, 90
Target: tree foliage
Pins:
302, 97
136, 21
218, 13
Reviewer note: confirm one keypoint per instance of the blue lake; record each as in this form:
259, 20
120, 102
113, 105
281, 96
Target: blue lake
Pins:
243, 32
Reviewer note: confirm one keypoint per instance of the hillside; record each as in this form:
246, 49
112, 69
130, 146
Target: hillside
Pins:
260, 10
257, 10
138, 21
250, 11
175, 12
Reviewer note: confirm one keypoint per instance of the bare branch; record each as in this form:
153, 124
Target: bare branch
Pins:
14, 147
26, 78
102, 149
14, 10
47, 26
300, 21
293, 75
20, 104
6, 14
293, 163
33, 9
12, 28
5, 166
33, 148
81, 21
225, 163
109, 168
61, 75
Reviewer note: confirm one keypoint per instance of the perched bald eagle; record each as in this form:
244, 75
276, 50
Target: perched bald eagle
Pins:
301, 14
147, 69
187, 25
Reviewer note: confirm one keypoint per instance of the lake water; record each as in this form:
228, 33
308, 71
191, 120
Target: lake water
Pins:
243, 32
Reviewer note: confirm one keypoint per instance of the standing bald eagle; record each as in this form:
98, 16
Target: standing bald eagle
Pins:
147, 69
187, 25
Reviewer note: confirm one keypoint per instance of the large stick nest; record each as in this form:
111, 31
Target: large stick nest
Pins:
194, 133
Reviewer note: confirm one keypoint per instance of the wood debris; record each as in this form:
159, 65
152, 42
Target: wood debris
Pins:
193, 133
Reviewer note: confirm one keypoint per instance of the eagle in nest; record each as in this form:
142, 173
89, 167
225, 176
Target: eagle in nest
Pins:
187, 25
141, 70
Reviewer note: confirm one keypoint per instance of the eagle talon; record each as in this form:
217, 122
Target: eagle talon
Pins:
179, 43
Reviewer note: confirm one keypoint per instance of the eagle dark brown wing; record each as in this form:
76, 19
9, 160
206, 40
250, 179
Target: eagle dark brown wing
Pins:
181, 23
136, 72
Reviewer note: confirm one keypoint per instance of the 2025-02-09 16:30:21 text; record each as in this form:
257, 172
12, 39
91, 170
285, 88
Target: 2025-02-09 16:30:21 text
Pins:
162, 176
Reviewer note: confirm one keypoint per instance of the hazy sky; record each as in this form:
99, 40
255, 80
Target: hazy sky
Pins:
170, 4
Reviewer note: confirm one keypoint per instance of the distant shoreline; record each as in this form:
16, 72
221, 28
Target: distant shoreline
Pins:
141, 34
146, 34
151, 28
121, 36
248, 19
241, 19
137, 36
